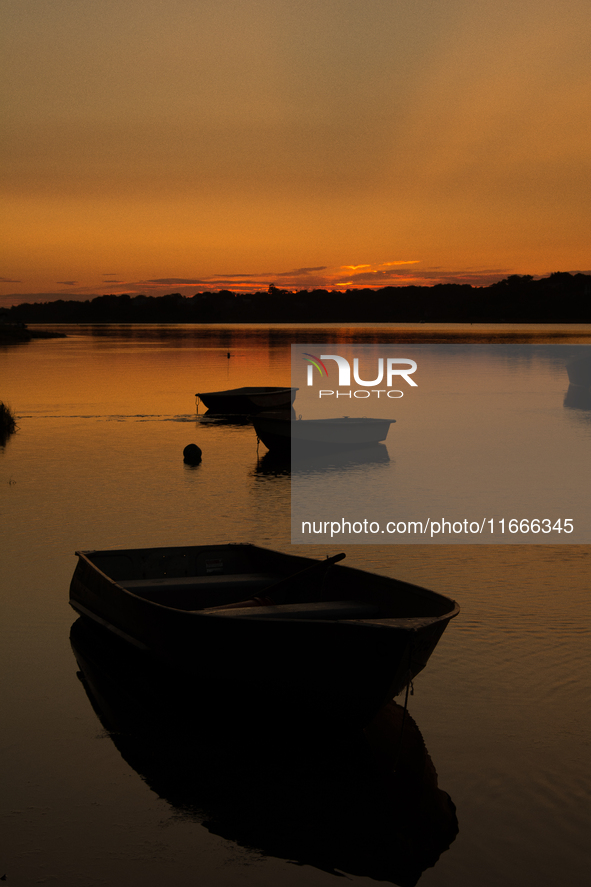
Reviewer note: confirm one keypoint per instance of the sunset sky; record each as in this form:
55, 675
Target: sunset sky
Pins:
187, 145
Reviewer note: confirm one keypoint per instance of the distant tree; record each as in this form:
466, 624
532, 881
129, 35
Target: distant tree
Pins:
275, 291
516, 279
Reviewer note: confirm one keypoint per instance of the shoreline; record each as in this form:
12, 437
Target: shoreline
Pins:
23, 334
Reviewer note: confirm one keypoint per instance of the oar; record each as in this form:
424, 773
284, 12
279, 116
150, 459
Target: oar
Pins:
320, 567
268, 595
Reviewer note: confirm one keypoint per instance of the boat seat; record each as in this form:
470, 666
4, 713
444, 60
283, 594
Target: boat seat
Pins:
214, 582
312, 610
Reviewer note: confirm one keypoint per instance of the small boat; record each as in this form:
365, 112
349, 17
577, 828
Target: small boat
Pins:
579, 371
247, 400
327, 641
280, 431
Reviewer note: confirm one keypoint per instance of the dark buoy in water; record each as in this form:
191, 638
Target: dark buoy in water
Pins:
228, 355
192, 454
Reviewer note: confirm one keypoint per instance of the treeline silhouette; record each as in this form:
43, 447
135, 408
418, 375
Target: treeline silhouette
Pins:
559, 298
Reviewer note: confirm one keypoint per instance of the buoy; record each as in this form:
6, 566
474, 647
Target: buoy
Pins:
192, 454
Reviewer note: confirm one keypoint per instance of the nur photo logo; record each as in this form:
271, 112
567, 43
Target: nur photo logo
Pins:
389, 370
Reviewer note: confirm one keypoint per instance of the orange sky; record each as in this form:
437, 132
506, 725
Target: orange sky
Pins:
181, 146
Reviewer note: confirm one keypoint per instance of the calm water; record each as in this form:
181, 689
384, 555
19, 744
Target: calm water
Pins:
503, 706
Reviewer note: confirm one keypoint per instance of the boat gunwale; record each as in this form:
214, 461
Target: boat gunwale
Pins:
385, 621
247, 390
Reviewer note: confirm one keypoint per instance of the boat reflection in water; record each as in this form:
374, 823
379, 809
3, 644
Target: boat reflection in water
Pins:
232, 419
213, 418
578, 398
579, 370
279, 462
366, 803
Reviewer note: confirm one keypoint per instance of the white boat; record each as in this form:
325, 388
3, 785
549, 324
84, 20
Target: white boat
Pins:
279, 431
579, 371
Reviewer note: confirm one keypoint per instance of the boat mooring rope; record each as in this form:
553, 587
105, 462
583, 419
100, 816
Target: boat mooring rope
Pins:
409, 689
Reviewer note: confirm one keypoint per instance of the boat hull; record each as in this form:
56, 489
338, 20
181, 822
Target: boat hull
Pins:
247, 400
279, 432
338, 670
579, 372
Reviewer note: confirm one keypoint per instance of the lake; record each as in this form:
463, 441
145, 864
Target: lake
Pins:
502, 707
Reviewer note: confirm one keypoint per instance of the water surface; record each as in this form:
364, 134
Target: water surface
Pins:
503, 706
